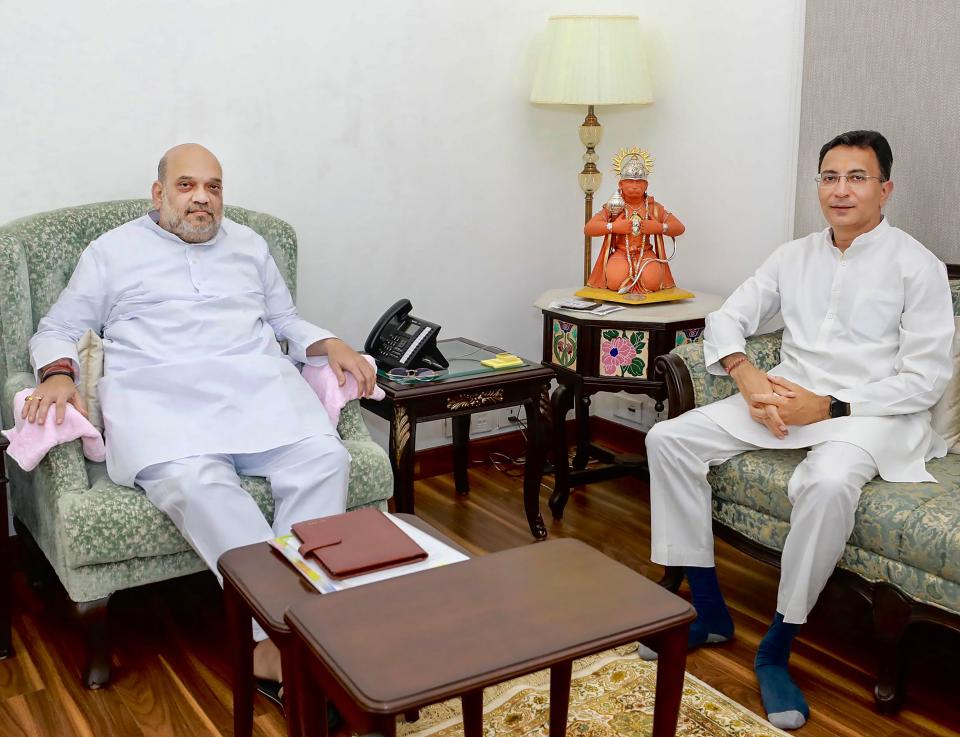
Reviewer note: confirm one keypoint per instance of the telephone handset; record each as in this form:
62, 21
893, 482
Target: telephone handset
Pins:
400, 340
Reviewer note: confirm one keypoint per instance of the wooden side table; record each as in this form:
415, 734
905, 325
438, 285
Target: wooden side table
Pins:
258, 582
614, 353
407, 404
6, 646
457, 629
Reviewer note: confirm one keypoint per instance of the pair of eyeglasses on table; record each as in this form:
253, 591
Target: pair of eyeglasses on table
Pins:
411, 376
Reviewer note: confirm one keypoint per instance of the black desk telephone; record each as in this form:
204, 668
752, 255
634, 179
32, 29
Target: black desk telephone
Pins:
400, 340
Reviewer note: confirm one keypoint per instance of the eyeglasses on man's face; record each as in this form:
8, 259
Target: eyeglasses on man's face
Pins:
856, 179
409, 376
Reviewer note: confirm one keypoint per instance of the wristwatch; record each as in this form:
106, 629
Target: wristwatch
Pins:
838, 408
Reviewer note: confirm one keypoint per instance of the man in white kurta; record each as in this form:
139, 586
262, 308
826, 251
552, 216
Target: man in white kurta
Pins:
196, 389
868, 325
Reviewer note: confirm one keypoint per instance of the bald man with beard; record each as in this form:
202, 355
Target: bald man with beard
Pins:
196, 390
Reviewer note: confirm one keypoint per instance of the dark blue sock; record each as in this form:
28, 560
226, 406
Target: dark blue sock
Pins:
713, 622
784, 702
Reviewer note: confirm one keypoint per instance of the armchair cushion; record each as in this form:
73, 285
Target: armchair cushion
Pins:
763, 351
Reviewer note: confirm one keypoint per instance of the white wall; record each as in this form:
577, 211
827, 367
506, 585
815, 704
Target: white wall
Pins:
398, 139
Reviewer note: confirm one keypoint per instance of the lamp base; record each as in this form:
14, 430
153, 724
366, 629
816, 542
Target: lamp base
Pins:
608, 295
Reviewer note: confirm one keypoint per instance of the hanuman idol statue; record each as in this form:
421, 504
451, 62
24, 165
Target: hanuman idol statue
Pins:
633, 261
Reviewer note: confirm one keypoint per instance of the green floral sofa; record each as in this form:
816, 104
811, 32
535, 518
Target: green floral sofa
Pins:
97, 536
904, 554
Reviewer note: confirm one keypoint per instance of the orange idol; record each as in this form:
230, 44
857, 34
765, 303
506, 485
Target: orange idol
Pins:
633, 259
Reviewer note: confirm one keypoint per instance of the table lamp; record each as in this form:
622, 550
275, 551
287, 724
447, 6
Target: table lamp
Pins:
592, 60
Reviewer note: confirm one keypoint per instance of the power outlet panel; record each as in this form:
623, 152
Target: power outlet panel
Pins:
481, 422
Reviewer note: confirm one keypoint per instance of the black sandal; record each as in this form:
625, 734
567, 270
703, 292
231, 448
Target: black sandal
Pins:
272, 691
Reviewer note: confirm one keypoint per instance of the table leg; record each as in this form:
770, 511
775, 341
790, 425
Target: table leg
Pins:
559, 697
560, 404
533, 470
385, 725
461, 453
305, 702
671, 662
582, 405
403, 436
472, 707
240, 643
6, 646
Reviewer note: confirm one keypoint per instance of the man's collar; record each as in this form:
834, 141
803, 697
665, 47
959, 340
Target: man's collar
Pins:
871, 236
152, 221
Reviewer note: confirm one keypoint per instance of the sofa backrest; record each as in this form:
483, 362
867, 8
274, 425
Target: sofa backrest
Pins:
38, 254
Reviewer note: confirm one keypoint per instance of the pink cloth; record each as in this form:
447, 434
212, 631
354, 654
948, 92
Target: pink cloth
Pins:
333, 396
30, 441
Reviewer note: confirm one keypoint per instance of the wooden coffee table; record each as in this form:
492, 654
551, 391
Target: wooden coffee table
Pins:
259, 583
456, 629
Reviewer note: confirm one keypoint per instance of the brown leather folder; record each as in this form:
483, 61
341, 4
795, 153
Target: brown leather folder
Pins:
356, 542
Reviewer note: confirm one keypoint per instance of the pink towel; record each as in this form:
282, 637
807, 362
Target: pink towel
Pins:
30, 441
333, 396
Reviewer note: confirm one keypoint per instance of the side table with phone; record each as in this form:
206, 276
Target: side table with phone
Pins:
433, 380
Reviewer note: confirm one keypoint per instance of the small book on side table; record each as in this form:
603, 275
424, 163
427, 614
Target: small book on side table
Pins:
357, 542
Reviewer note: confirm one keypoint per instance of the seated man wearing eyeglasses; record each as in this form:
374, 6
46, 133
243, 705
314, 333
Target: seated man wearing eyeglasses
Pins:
866, 352
196, 389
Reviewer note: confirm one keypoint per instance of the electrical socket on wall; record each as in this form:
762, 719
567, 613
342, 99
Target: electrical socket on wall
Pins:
630, 409
511, 417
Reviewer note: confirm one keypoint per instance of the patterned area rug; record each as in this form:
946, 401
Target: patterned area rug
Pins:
611, 695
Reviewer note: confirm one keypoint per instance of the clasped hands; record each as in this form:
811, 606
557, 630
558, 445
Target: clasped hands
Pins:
623, 226
776, 402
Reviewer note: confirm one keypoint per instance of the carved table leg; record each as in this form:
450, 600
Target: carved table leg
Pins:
560, 404
533, 470
582, 405
461, 453
403, 435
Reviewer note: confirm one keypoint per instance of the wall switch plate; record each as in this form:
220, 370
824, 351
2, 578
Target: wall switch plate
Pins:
481, 422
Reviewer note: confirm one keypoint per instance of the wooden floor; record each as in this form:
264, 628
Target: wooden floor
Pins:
171, 668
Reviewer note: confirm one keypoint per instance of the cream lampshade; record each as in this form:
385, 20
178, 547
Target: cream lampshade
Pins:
592, 60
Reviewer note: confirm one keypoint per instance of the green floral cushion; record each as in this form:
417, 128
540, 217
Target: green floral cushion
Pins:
763, 351
100, 537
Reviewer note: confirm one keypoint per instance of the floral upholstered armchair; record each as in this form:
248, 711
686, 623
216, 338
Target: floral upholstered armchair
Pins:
97, 536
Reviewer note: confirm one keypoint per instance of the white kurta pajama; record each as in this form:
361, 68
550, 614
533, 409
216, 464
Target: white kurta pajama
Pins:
871, 326
191, 363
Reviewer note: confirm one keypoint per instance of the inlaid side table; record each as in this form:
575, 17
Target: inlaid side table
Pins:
591, 354
458, 397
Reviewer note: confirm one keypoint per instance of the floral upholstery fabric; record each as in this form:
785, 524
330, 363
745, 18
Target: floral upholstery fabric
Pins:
907, 534
98, 536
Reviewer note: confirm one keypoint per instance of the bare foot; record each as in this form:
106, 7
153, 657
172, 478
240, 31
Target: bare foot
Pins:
266, 661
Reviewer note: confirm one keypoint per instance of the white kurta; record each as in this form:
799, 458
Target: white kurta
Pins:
872, 326
191, 360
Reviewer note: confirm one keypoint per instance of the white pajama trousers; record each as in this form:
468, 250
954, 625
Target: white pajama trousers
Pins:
203, 497
824, 491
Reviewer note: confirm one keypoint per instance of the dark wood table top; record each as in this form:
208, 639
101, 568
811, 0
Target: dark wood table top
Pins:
479, 622
533, 370
270, 584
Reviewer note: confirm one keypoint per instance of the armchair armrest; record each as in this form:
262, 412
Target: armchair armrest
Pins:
689, 384
62, 471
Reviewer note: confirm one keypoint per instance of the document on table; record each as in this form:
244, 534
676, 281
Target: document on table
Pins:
438, 554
